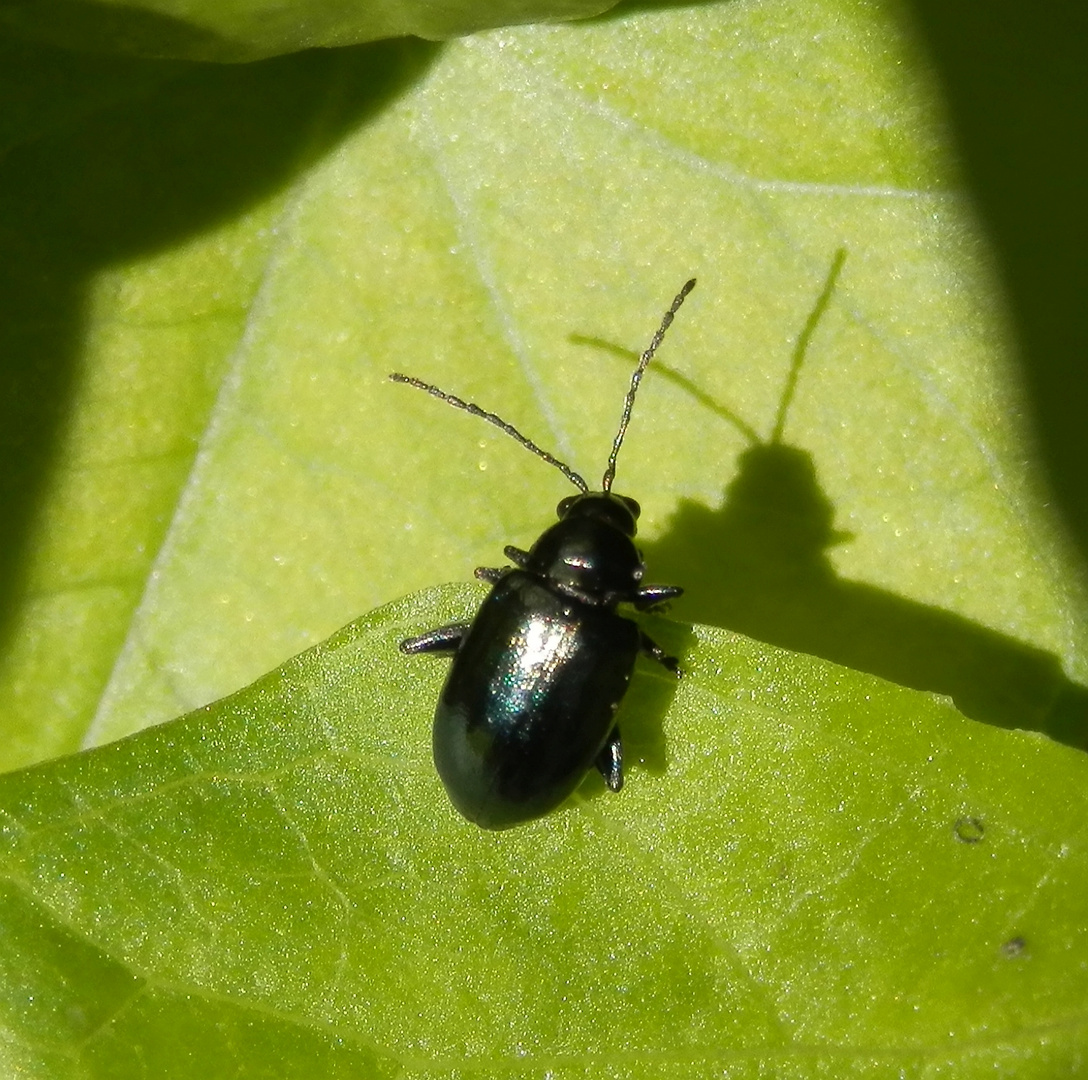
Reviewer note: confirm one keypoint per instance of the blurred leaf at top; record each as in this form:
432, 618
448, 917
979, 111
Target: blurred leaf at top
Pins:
240, 30
211, 270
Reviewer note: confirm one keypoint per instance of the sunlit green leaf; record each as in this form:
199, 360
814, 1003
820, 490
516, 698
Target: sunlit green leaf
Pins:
210, 271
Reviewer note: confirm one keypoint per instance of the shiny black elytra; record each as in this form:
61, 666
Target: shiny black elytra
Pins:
537, 676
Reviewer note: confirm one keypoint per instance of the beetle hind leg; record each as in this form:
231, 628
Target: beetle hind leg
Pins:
609, 761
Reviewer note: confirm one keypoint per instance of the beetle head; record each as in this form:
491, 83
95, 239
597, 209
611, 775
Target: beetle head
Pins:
616, 510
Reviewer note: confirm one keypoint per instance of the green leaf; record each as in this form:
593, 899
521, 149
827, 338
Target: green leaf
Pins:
813, 873
209, 273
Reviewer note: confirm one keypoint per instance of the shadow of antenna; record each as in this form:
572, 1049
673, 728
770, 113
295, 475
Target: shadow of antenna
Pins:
804, 339
758, 564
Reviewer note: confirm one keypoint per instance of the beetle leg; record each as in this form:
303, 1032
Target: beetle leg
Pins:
655, 652
516, 555
491, 574
609, 761
649, 596
444, 639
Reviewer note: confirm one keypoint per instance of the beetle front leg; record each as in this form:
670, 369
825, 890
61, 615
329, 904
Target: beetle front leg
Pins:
491, 574
649, 596
516, 555
444, 639
609, 761
650, 648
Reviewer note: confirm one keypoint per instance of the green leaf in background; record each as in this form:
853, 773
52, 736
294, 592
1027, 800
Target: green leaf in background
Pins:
209, 273
825, 875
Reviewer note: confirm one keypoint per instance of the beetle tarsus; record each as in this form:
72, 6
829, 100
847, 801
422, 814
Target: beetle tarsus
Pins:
653, 597
654, 651
491, 574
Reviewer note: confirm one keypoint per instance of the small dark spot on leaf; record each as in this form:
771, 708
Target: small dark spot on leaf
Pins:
969, 830
1015, 946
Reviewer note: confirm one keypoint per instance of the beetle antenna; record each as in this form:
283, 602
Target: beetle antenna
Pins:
498, 421
637, 379
629, 401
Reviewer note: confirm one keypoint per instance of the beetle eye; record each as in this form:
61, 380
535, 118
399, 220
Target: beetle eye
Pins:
632, 506
564, 506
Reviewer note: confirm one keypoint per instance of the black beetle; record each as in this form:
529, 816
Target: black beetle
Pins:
537, 676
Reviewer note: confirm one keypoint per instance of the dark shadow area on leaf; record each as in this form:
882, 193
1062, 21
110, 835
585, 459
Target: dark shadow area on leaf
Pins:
652, 691
1015, 84
112, 29
126, 182
759, 565
42, 89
